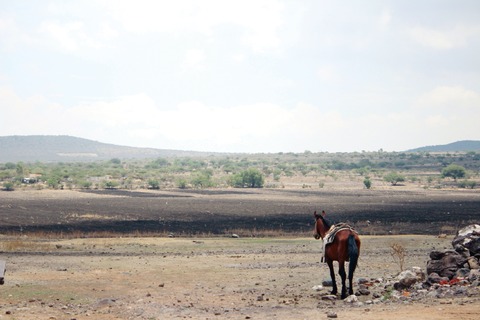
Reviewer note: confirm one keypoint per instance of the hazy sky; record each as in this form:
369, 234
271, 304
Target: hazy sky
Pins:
243, 76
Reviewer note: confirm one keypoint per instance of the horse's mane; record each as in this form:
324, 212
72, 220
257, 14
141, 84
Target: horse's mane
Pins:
327, 223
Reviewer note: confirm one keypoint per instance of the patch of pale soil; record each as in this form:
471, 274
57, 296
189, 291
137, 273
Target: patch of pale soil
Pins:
217, 278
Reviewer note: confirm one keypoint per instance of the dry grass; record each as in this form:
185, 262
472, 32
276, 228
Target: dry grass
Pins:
25, 245
36, 236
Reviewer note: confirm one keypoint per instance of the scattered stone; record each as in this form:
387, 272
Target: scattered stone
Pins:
473, 263
317, 288
351, 299
327, 283
406, 279
462, 273
363, 290
419, 273
329, 297
332, 315
104, 303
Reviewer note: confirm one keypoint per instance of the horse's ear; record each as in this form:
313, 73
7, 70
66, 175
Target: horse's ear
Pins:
315, 214
324, 213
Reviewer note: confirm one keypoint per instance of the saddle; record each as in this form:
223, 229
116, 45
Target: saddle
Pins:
331, 233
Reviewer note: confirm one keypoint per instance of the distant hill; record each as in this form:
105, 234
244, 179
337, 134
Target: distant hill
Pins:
47, 148
464, 145
67, 148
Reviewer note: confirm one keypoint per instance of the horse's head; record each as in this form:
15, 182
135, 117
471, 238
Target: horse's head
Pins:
321, 225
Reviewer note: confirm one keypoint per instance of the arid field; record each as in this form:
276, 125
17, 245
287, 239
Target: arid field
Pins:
170, 254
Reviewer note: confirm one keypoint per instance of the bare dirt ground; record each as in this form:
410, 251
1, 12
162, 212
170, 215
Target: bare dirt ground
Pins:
205, 278
203, 274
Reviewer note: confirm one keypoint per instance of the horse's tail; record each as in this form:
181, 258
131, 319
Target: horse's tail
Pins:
353, 254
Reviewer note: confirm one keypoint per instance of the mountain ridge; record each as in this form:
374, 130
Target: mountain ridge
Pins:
55, 148
462, 145
52, 148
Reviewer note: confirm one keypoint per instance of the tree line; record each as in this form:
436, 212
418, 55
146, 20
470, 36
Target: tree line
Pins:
240, 171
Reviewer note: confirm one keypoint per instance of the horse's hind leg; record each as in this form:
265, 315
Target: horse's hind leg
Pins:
350, 280
332, 276
343, 275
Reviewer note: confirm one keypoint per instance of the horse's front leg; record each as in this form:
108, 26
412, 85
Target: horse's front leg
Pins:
332, 276
343, 275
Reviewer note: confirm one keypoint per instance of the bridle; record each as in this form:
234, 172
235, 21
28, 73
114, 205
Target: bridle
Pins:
317, 234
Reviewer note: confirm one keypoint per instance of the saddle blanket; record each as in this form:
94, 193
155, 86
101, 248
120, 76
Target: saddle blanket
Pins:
331, 233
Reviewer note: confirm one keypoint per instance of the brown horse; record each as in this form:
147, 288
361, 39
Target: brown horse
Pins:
344, 247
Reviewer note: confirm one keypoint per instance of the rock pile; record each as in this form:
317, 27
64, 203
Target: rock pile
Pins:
457, 264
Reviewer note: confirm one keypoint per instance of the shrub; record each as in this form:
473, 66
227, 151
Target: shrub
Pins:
250, 178
467, 184
111, 184
153, 184
367, 182
202, 180
8, 186
454, 171
394, 178
398, 254
182, 183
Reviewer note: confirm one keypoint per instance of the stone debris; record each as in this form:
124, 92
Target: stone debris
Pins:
468, 239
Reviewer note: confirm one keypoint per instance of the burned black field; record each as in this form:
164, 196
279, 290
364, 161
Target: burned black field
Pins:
252, 212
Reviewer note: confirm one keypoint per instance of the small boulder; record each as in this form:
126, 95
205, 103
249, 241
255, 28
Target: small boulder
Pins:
445, 264
351, 299
406, 279
473, 263
435, 278
462, 273
327, 283
469, 238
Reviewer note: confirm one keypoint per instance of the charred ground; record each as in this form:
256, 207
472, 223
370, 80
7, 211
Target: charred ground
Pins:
245, 212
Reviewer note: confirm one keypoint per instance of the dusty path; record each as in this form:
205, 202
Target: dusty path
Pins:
211, 278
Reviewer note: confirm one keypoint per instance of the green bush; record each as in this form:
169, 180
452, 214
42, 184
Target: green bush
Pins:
467, 184
454, 171
394, 178
8, 186
153, 184
202, 180
367, 182
182, 183
111, 184
250, 178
